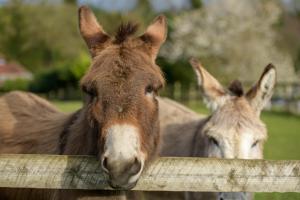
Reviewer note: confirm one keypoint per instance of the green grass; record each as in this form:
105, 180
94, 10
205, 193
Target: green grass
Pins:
67, 106
283, 142
284, 136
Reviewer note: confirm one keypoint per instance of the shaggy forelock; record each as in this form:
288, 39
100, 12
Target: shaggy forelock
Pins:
114, 66
236, 88
124, 31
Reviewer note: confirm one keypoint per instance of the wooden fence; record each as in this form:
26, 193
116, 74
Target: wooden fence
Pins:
286, 95
165, 174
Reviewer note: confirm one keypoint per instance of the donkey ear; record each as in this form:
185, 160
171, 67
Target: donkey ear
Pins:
262, 91
91, 31
214, 93
155, 34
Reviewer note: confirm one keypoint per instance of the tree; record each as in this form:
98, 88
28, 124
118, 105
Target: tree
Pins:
62, 77
234, 38
39, 35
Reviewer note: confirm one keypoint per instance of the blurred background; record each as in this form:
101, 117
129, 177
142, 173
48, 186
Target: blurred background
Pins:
41, 51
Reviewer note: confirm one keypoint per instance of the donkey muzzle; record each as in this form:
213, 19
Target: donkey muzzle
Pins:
122, 159
123, 175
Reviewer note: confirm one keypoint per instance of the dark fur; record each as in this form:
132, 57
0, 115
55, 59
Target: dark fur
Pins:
124, 31
236, 88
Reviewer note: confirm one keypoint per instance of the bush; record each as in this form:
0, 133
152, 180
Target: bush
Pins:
16, 84
62, 77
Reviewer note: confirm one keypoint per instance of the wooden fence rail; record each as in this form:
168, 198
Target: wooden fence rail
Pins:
165, 174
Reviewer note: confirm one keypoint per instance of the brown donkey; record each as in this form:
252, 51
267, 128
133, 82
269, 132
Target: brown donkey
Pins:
119, 120
233, 130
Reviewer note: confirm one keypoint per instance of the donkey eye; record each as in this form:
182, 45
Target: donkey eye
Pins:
149, 89
90, 91
254, 144
212, 140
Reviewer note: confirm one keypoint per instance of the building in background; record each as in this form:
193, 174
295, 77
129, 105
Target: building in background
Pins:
12, 71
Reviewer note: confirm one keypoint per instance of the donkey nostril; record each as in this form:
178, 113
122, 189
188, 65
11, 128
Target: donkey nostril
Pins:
105, 164
136, 166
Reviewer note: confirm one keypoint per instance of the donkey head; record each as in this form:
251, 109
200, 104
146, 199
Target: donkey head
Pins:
234, 129
121, 85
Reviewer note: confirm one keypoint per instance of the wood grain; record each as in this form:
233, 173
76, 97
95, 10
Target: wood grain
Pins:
165, 174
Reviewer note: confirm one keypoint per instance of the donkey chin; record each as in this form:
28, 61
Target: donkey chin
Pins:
123, 159
234, 196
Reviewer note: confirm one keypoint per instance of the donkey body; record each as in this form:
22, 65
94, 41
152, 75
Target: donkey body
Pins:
118, 122
233, 130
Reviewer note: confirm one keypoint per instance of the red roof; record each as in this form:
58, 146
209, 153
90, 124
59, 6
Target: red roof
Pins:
11, 68
10, 71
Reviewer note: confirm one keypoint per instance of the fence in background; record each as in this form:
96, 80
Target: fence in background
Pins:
286, 95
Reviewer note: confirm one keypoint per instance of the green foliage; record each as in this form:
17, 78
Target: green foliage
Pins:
63, 76
196, 4
45, 81
67, 106
74, 2
17, 84
45, 39
39, 35
297, 61
180, 71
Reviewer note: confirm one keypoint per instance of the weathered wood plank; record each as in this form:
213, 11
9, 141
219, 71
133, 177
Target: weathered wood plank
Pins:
166, 174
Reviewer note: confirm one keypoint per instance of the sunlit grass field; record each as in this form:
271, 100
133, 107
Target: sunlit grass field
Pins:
68, 106
283, 142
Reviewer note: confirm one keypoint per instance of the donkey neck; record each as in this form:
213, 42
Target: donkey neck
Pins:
78, 136
199, 145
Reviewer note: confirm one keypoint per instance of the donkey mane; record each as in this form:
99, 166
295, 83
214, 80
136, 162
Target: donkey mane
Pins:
124, 31
236, 88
